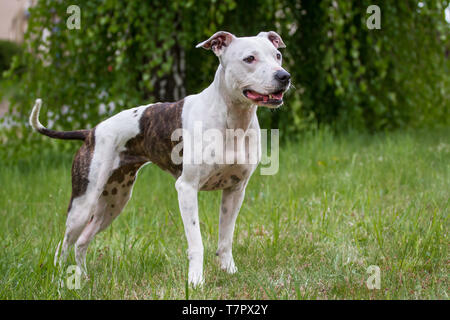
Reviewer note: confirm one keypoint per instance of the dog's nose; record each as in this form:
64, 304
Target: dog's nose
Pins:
282, 76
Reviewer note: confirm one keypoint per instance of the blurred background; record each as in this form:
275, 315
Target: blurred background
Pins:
346, 77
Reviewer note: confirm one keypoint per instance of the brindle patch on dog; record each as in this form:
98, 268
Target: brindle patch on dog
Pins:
80, 167
153, 143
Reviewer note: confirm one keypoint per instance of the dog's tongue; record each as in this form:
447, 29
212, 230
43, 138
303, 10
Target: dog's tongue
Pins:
256, 96
277, 96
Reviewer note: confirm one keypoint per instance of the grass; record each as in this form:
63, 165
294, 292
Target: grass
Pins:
337, 205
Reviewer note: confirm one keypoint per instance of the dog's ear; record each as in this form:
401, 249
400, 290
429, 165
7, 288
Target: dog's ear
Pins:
218, 42
274, 38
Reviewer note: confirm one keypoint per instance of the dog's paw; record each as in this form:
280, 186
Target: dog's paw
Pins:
229, 266
196, 278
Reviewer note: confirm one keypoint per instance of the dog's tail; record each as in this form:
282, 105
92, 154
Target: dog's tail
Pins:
66, 135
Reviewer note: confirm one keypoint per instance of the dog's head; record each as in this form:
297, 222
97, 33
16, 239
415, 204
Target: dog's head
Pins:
252, 66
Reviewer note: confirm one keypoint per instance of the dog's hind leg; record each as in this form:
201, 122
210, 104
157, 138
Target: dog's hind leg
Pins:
115, 195
83, 211
88, 233
90, 171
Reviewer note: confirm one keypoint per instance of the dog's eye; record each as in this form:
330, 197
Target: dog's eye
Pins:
249, 59
278, 56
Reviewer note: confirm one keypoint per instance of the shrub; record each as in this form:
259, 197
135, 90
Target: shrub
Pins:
8, 50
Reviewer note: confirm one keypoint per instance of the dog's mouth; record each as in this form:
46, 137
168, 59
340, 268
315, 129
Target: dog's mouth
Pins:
275, 98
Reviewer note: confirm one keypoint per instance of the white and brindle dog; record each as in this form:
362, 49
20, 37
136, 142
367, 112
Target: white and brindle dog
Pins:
105, 167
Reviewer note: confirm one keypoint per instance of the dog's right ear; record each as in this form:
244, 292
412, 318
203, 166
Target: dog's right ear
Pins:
218, 42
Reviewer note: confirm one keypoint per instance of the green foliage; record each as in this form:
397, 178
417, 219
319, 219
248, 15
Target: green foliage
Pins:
8, 50
129, 53
350, 76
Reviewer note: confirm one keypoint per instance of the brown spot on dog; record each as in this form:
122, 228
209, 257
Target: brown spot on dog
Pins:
117, 176
113, 191
112, 206
105, 193
235, 179
217, 184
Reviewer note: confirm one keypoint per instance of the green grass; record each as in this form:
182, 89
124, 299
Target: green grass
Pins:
336, 206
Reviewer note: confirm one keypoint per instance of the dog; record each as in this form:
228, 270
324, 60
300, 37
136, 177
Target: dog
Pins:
104, 169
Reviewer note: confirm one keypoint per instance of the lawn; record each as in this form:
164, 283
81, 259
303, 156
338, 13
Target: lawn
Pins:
338, 205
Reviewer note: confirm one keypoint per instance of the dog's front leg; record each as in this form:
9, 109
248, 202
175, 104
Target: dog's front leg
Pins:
229, 209
187, 199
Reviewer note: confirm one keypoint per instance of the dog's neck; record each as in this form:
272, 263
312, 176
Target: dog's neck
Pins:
239, 113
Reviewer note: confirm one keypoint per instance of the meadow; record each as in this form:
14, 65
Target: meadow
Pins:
339, 204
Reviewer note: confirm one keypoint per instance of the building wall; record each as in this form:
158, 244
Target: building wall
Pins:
13, 19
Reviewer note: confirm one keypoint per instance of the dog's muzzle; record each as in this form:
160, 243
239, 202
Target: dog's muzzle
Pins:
276, 97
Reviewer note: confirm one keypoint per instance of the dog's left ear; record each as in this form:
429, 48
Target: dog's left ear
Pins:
218, 42
274, 38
